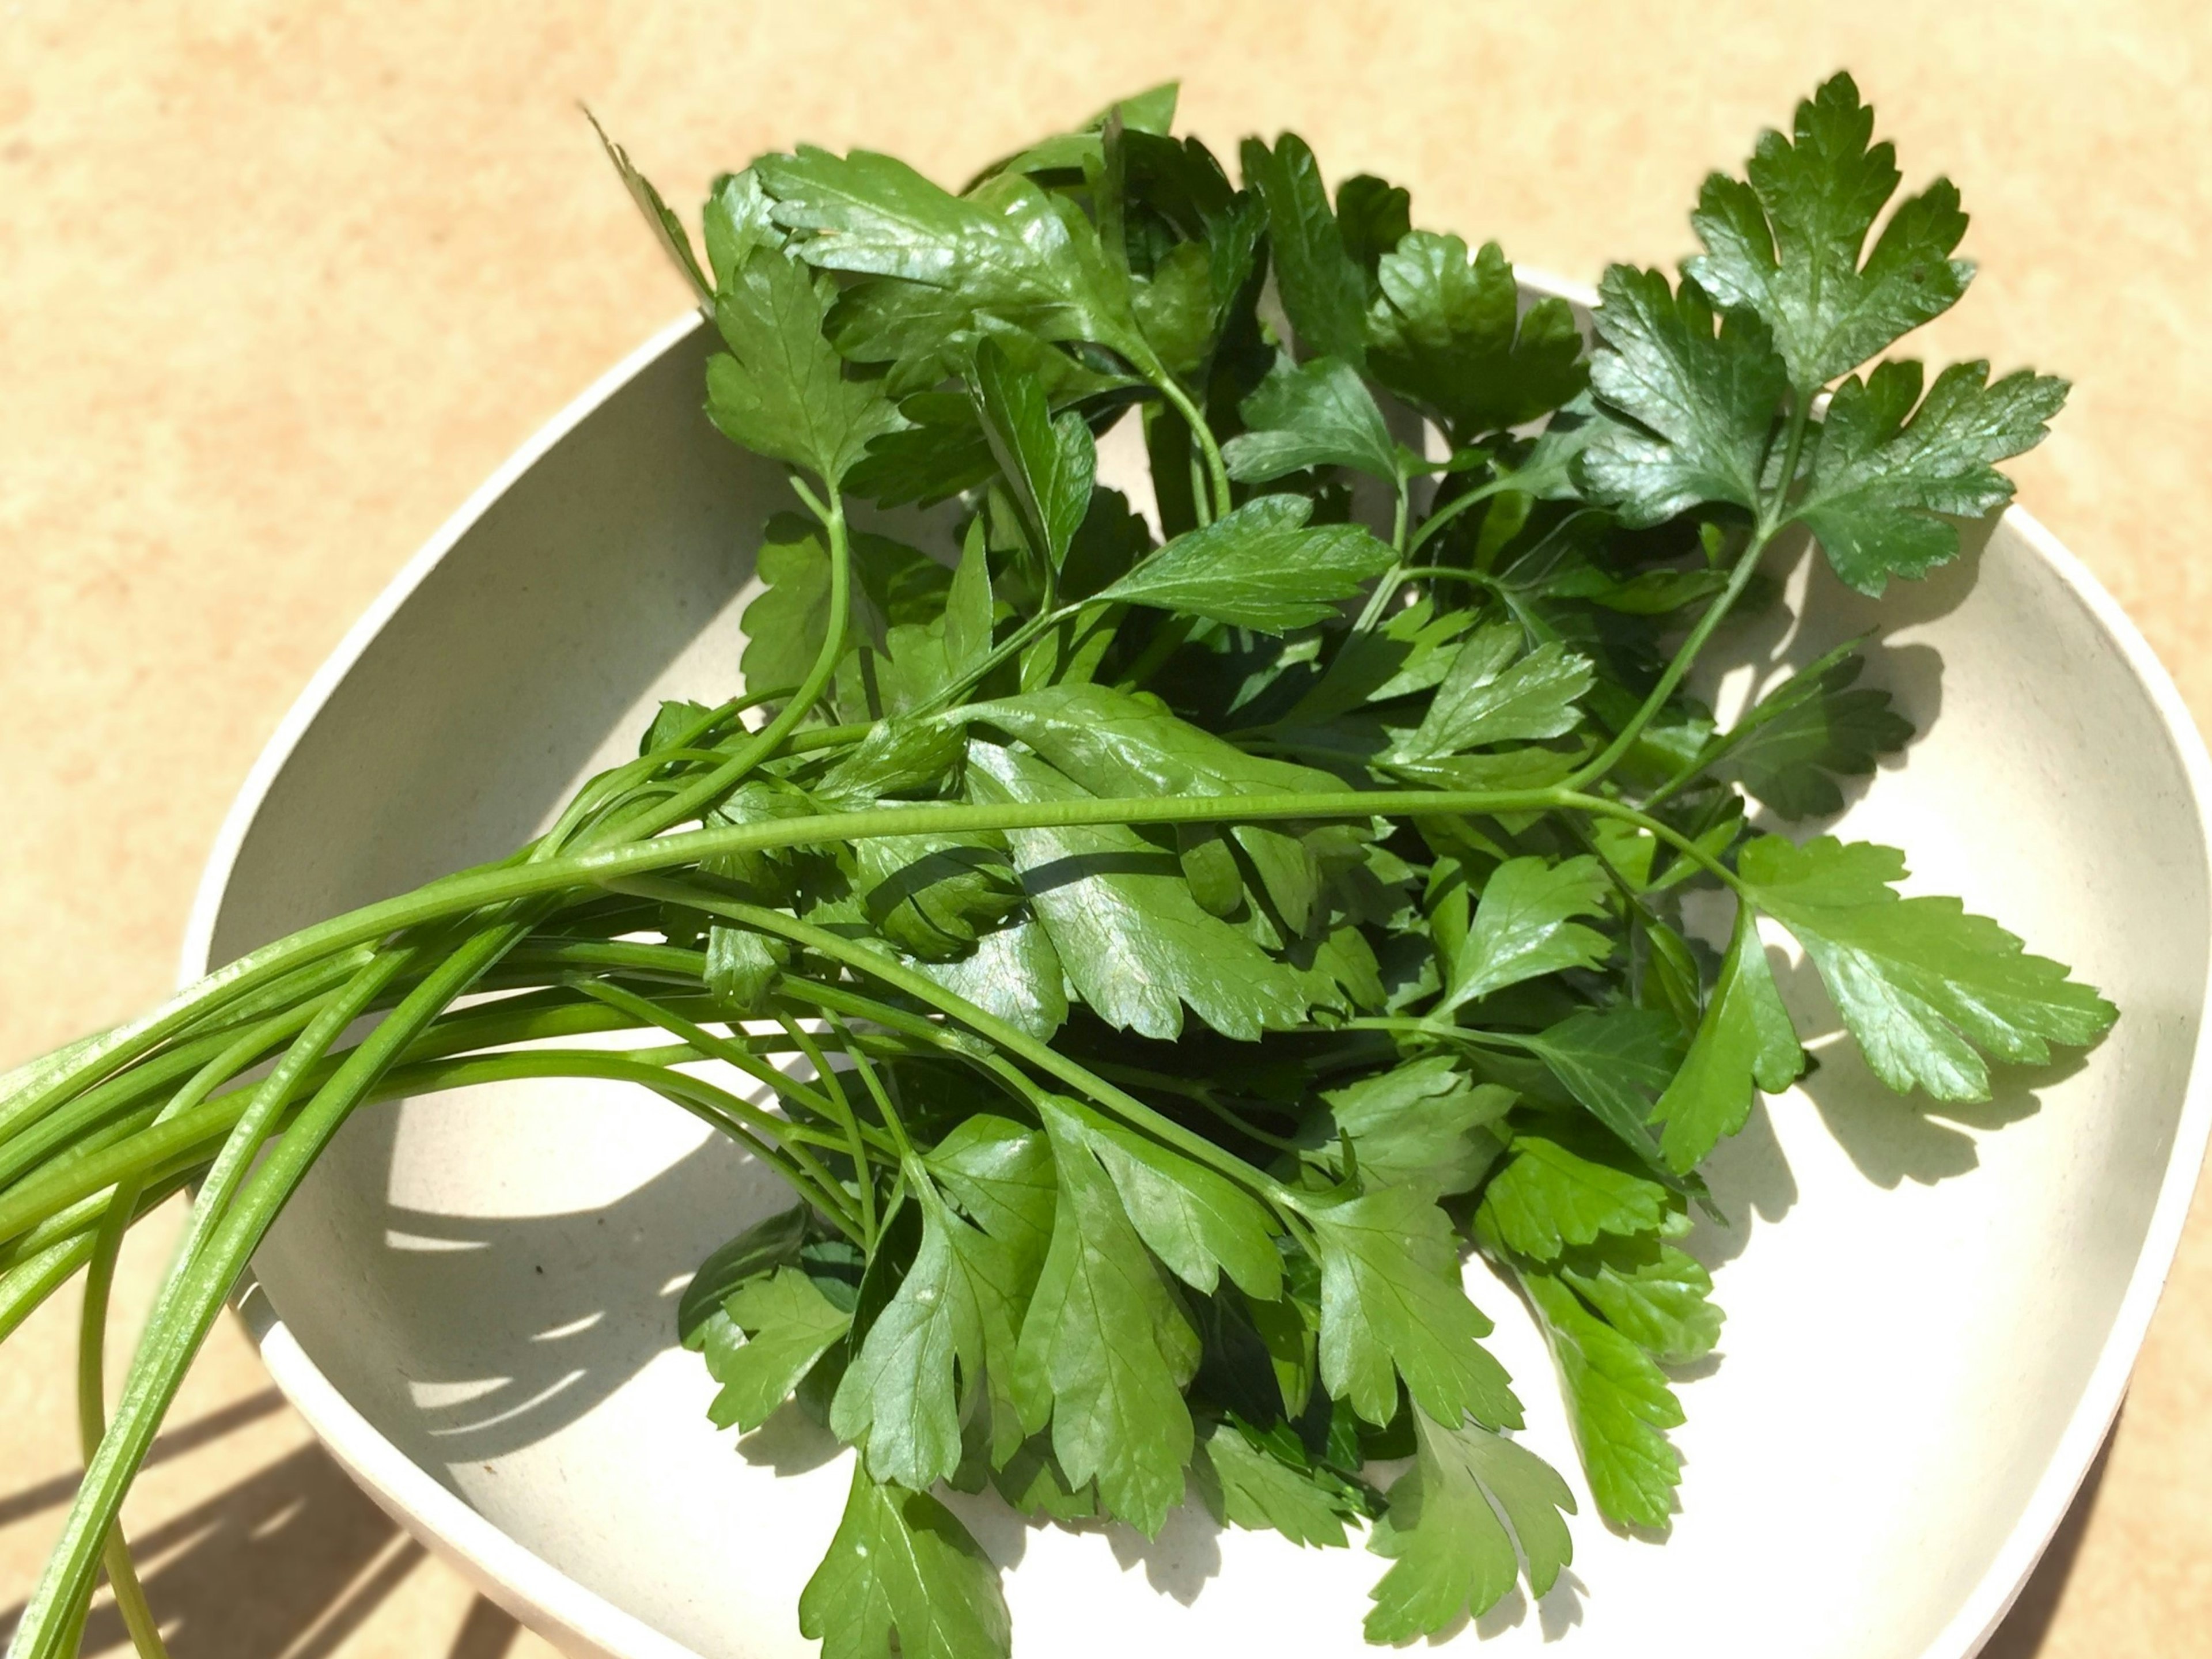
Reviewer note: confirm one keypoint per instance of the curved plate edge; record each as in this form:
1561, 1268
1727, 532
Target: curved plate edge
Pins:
552, 1601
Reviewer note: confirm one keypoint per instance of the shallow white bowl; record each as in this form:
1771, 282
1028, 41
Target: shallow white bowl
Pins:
472, 1298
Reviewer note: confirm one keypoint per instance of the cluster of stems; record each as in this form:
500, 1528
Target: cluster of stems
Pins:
467, 979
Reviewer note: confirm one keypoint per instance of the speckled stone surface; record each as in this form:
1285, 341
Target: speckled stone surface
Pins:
280, 284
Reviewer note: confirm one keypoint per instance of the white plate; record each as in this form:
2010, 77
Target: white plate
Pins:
470, 1299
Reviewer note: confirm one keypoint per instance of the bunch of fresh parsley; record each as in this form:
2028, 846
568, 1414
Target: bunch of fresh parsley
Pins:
1196, 932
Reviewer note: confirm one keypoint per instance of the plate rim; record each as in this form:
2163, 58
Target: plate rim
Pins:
548, 1599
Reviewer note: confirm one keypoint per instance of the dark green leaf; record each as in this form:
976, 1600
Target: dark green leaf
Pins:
1018, 253
1002, 1175
1246, 1486
1047, 463
1106, 1349
667, 229
1320, 415
1492, 692
1134, 943
1014, 973
1689, 413
1812, 729
957, 1306
1324, 293
741, 966
1882, 472
1113, 744
781, 390
1448, 337
1524, 927
1614, 1061
1787, 244
1373, 216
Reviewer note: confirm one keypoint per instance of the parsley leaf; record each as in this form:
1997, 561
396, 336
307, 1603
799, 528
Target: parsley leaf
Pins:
781, 389
1816, 726
1787, 242
955, 1307
902, 1571
1049, 463
1549, 1196
1010, 250
1106, 1348
1246, 1486
1391, 1306
787, 1324
1448, 335
1882, 470
1260, 567
1324, 293
1133, 939
1320, 415
1423, 1123
1524, 927
1621, 1404
1689, 413
1744, 1038
1456, 1519
1492, 692
1921, 983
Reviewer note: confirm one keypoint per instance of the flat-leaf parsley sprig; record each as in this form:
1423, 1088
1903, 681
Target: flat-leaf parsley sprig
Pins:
1160, 948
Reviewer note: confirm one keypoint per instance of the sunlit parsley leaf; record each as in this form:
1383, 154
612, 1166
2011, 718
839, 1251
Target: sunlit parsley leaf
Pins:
957, 1307
1921, 983
1657, 1295
1882, 470
1744, 1039
1471, 1503
1787, 242
1392, 1306
1549, 1196
902, 1570
1420, 1124
787, 1324
1689, 411
667, 229
1260, 567
1621, 1404
1106, 1348
781, 389
1246, 1486
1133, 939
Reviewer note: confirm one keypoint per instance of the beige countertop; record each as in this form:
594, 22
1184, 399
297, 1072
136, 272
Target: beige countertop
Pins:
280, 283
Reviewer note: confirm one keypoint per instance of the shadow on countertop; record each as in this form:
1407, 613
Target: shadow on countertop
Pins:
293, 1560
290, 1561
